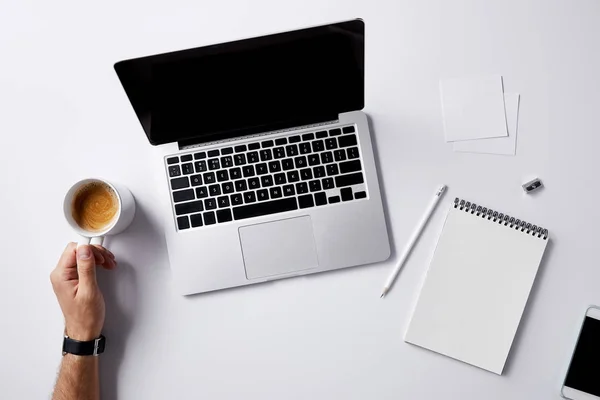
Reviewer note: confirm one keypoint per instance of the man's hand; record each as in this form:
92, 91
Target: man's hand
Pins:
74, 282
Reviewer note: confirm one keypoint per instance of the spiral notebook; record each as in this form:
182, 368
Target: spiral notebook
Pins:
477, 285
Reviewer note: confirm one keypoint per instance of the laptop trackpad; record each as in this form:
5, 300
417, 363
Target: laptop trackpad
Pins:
279, 247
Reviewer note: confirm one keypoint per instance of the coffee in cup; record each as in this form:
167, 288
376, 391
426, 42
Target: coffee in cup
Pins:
95, 206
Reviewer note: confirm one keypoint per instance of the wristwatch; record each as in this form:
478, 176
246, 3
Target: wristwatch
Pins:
91, 348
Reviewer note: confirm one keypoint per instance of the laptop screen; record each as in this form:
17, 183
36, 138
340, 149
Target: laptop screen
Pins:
248, 86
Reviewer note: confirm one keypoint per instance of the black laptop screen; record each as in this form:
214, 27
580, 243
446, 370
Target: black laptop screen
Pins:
248, 86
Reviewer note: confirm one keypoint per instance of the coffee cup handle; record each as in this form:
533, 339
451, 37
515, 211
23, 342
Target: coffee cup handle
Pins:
95, 240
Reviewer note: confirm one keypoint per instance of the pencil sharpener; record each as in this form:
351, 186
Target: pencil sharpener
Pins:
532, 186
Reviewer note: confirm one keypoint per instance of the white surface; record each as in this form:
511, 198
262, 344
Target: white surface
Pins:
327, 336
476, 289
473, 107
502, 145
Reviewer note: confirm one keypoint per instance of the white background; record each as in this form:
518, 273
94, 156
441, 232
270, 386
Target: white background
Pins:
64, 116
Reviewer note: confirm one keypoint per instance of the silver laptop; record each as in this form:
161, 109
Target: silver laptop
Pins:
268, 163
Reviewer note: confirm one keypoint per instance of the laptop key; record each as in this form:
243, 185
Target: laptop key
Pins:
352, 152
274, 166
288, 190
262, 195
214, 190
319, 172
331, 144
210, 204
328, 184
183, 222
261, 169
172, 160
200, 156
348, 140
348, 129
253, 183
301, 188
278, 152
287, 164
201, 166
213, 164
237, 199
294, 139
275, 192
360, 195
306, 174
213, 153
188, 208
334, 199
183, 195
227, 162
180, 183
209, 218
268, 143
187, 157
248, 171
209, 177
254, 146
253, 157
201, 192
265, 208
280, 179
241, 185
320, 199
308, 136
227, 187
321, 134
187, 168
305, 148
327, 157
339, 155
196, 180
349, 180
306, 201
315, 185
227, 150
222, 175
266, 180
318, 145
174, 170
350, 166
332, 169
223, 201
300, 162
196, 220
280, 141
335, 132
239, 159
235, 173
224, 216
241, 148
291, 150
346, 194
314, 159
266, 155
293, 176
249, 197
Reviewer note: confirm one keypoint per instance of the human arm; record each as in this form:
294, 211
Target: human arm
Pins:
82, 304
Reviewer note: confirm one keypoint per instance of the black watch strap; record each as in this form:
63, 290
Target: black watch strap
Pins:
91, 348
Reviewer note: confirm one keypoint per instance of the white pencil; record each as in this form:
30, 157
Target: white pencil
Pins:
413, 238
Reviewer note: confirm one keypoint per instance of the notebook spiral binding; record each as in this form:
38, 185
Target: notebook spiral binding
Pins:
504, 219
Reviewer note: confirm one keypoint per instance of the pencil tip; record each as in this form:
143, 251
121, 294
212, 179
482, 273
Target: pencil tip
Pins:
382, 294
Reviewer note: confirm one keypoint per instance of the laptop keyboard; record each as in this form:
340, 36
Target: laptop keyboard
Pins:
266, 177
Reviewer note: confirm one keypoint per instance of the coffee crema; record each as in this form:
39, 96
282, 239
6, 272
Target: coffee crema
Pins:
94, 206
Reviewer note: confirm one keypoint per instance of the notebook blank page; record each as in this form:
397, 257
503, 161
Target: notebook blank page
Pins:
475, 291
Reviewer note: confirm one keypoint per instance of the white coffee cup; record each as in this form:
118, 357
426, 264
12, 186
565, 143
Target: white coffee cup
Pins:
120, 222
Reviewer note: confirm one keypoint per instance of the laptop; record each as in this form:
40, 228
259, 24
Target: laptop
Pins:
267, 159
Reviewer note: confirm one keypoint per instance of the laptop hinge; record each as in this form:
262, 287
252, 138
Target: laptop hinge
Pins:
229, 136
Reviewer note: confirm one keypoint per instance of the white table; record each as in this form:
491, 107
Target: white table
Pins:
64, 116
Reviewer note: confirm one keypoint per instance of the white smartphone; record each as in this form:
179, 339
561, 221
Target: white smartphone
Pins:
583, 377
